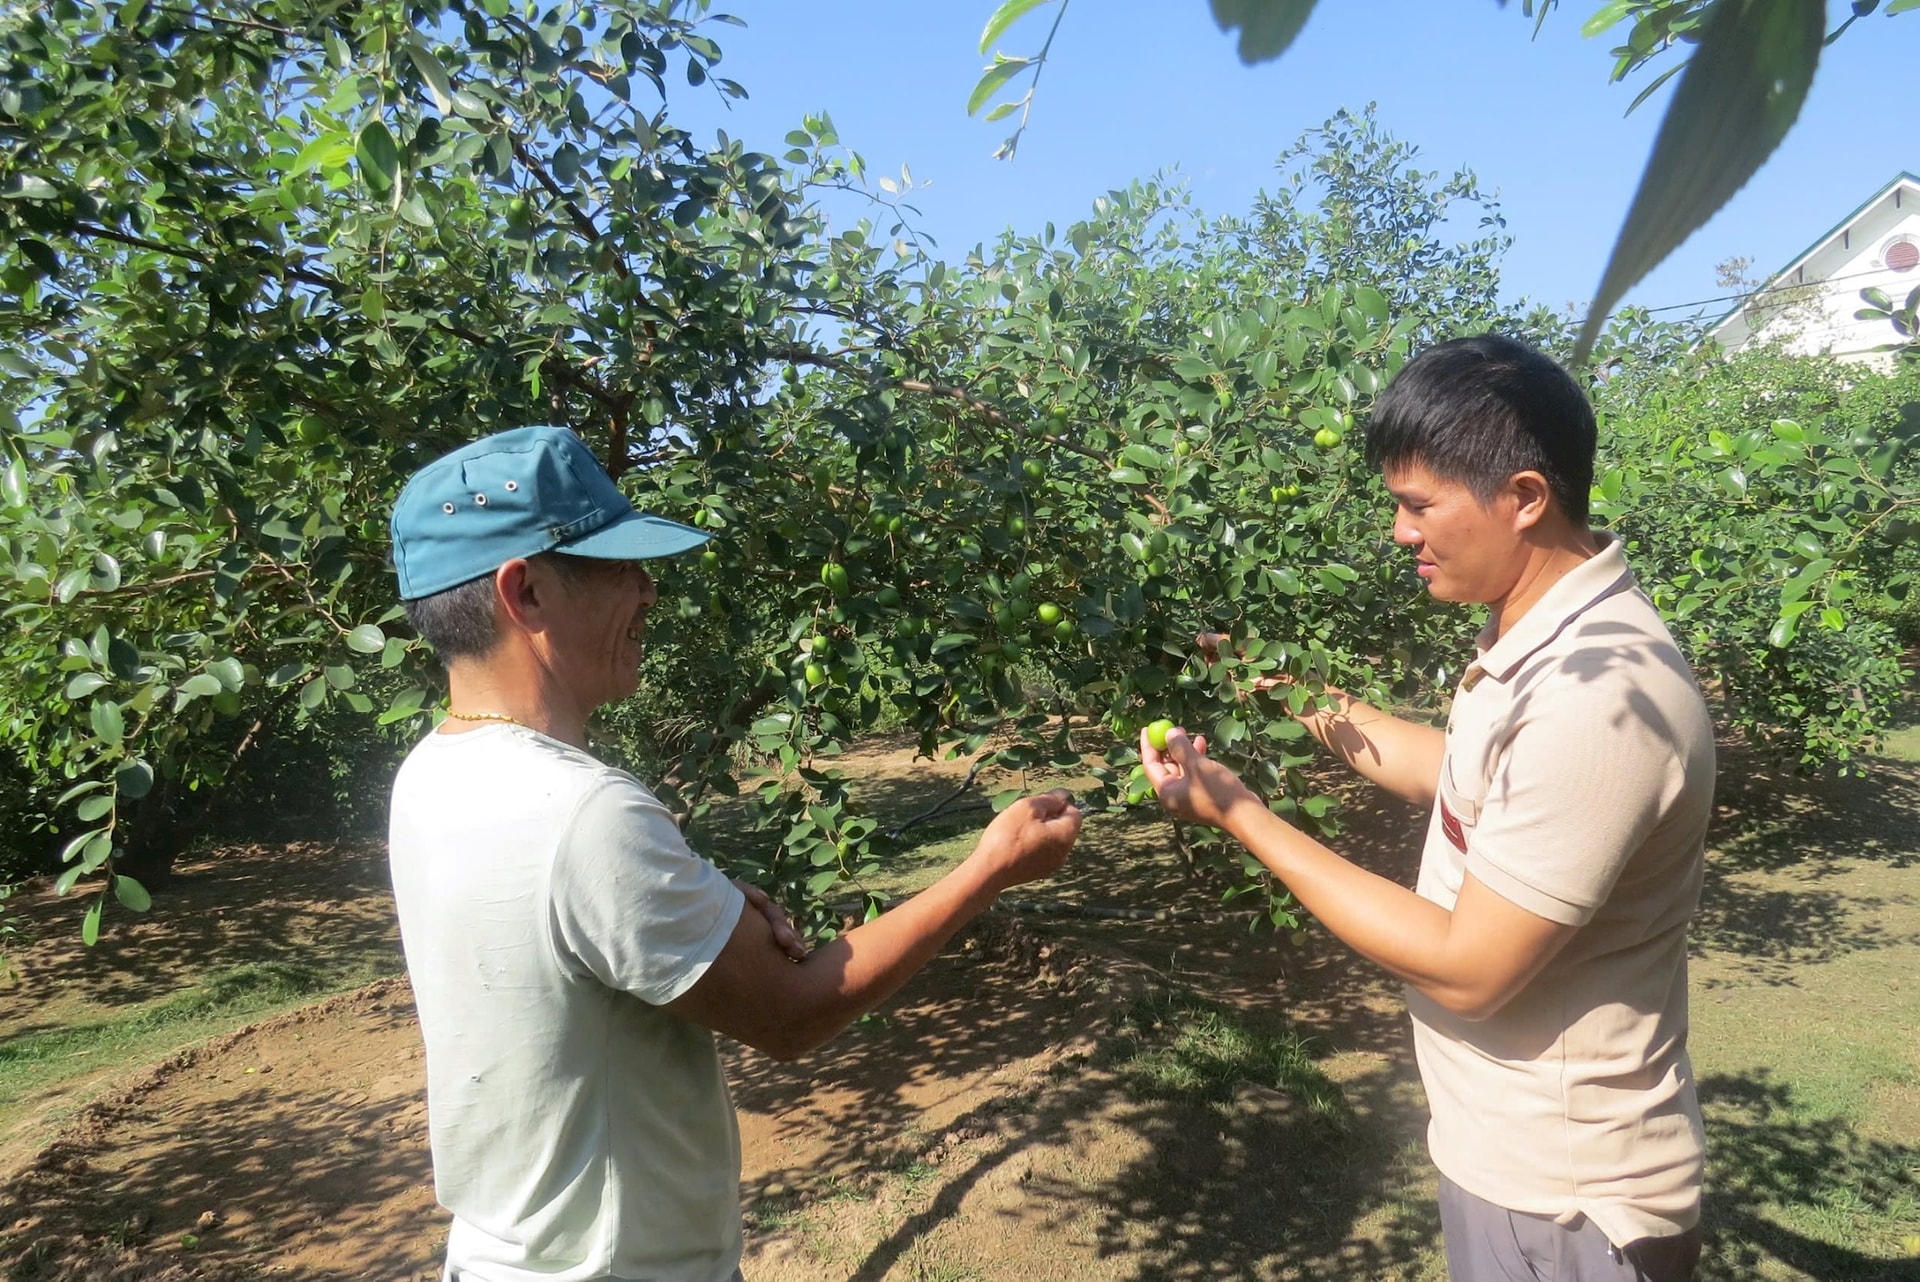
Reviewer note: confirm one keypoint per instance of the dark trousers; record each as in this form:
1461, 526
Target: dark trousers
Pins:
1488, 1243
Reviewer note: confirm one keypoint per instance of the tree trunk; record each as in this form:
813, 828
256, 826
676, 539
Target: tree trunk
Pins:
154, 836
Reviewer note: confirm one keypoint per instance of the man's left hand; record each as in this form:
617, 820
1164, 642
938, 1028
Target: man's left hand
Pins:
783, 932
1191, 785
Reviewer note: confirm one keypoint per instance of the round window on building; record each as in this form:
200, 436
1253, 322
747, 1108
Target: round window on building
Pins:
1901, 254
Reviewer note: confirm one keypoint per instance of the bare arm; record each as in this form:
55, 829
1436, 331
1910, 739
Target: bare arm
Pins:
755, 993
1401, 756
1471, 960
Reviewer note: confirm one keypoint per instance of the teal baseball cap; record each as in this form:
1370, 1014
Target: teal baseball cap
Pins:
516, 494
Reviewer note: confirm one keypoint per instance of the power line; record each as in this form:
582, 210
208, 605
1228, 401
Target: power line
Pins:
1770, 289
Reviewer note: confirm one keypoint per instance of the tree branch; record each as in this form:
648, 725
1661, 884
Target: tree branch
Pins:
582, 221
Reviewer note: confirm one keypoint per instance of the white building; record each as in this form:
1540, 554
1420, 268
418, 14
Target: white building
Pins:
1809, 305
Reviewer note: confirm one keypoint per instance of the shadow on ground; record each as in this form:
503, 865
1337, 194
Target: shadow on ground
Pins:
325, 905
1782, 852
297, 1147
1764, 1155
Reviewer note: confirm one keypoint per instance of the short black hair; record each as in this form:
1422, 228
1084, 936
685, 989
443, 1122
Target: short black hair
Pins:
1478, 410
458, 622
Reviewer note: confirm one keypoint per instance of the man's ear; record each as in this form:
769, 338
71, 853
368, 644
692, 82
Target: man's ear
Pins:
1532, 498
521, 594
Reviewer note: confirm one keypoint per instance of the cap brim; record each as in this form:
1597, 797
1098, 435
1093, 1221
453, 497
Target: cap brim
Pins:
636, 537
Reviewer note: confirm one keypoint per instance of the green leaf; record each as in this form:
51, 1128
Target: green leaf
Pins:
433, 73
84, 684
415, 211
108, 724
1267, 27
90, 924
326, 152
379, 156
1606, 16
1127, 476
1003, 70
93, 808
71, 584
367, 639
405, 704
229, 672
1653, 86
201, 685
1005, 16
131, 893
1372, 304
79, 790
1740, 95
470, 106
29, 187
13, 483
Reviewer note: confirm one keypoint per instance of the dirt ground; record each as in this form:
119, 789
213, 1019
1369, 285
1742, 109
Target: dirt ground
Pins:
981, 1128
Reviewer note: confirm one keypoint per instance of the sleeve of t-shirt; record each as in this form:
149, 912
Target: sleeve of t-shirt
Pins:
631, 904
1575, 792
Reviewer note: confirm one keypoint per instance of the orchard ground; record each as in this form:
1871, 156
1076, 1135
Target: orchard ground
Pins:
1096, 1096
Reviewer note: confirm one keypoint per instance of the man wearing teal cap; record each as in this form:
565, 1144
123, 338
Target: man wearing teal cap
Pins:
571, 957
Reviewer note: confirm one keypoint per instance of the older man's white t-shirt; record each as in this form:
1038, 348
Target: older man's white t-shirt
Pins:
549, 908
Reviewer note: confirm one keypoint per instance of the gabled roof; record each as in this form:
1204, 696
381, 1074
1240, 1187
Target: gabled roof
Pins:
1820, 242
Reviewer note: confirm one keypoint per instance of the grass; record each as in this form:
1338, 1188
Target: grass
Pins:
1811, 1092
940, 848
1170, 1044
1902, 743
32, 1062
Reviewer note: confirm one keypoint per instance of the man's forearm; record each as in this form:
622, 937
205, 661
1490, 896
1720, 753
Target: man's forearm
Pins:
1380, 919
1470, 959
843, 980
1401, 756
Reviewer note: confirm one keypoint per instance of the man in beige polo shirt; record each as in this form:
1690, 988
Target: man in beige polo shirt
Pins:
1544, 949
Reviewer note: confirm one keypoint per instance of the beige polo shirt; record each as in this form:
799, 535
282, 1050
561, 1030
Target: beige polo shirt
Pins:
1577, 784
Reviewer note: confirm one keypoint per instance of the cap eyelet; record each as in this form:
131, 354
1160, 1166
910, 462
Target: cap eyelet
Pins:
447, 508
480, 499
512, 486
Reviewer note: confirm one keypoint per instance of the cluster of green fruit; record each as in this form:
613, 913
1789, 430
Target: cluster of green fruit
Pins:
1330, 437
1011, 617
1153, 550
820, 649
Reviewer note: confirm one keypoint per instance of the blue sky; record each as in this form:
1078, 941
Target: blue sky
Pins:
1136, 86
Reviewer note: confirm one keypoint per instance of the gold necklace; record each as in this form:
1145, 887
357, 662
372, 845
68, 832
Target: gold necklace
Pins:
488, 716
